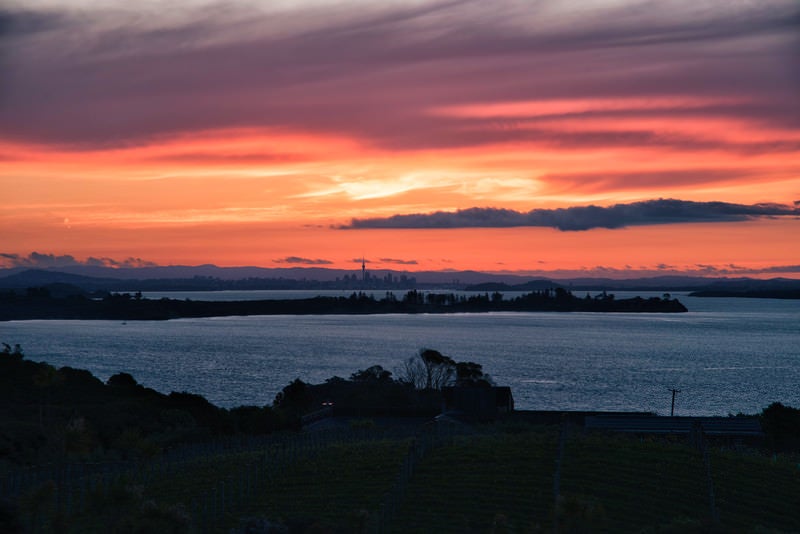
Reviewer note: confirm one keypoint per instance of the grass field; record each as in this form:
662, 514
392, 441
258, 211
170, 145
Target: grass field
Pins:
500, 481
607, 484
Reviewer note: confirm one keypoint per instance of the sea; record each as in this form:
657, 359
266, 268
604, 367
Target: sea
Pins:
725, 356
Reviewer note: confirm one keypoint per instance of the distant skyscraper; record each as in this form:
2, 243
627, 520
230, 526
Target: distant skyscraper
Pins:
363, 269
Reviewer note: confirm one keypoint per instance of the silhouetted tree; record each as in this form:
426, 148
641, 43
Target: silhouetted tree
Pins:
562, 294
15, 353
295, 398
412, 372
781, 424
122, 379
430, 369
470, 373
439, 369
375, 373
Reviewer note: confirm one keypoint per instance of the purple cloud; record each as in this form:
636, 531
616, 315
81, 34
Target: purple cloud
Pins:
375, 73
35, 260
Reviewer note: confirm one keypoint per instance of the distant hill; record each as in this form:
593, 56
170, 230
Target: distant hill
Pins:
41, 277
211, 278
241, 273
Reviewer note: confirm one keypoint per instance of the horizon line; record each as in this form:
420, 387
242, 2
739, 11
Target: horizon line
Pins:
789, 272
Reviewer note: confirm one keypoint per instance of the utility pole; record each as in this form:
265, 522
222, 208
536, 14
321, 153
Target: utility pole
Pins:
672, 411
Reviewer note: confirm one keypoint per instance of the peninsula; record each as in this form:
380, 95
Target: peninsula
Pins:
39, 303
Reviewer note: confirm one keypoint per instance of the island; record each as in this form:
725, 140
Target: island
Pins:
40, 303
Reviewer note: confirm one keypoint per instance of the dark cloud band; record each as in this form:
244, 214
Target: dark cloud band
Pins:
650, 212
296, 260
36, 260
397, 261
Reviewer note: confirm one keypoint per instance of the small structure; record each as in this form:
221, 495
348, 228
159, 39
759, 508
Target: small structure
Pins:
728, 429
483, 403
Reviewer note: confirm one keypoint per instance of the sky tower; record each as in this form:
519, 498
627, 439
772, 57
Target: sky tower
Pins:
363, 269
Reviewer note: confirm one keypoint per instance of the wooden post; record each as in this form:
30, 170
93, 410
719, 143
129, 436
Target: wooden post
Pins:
672, 411
562, 437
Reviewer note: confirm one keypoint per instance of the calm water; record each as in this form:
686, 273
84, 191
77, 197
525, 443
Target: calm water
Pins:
726, 355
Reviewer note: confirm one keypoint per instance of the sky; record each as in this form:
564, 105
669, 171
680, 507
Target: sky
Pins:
606, 137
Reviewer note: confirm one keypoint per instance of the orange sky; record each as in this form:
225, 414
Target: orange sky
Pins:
251, 137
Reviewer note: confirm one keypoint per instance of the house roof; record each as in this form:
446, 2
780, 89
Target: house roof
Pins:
719, 426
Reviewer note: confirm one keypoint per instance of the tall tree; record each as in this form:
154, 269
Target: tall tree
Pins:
430, 369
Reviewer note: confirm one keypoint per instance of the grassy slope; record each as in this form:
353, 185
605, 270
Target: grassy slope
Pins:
329, 486
338, 487
757, 487
608, 484
500, 483
467, 485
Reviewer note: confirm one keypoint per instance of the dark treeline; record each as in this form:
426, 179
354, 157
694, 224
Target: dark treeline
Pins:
64, 414
49, 414
39, 303
415, 391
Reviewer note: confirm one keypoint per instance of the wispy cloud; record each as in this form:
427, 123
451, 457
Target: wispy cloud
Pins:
296, 260
650, 212
222, 117
375, 71
599, 181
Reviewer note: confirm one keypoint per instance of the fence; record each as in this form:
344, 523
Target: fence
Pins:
562, 471
68, 490
46, 492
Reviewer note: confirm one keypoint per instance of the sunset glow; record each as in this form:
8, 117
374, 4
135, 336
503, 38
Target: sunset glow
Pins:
245, 135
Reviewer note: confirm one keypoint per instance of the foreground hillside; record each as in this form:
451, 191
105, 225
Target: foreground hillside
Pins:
483, 479
505, 482
77, 455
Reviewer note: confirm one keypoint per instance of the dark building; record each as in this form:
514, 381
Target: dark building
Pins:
483, 403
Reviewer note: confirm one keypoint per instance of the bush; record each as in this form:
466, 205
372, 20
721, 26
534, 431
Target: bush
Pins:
122, 380
781, 424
